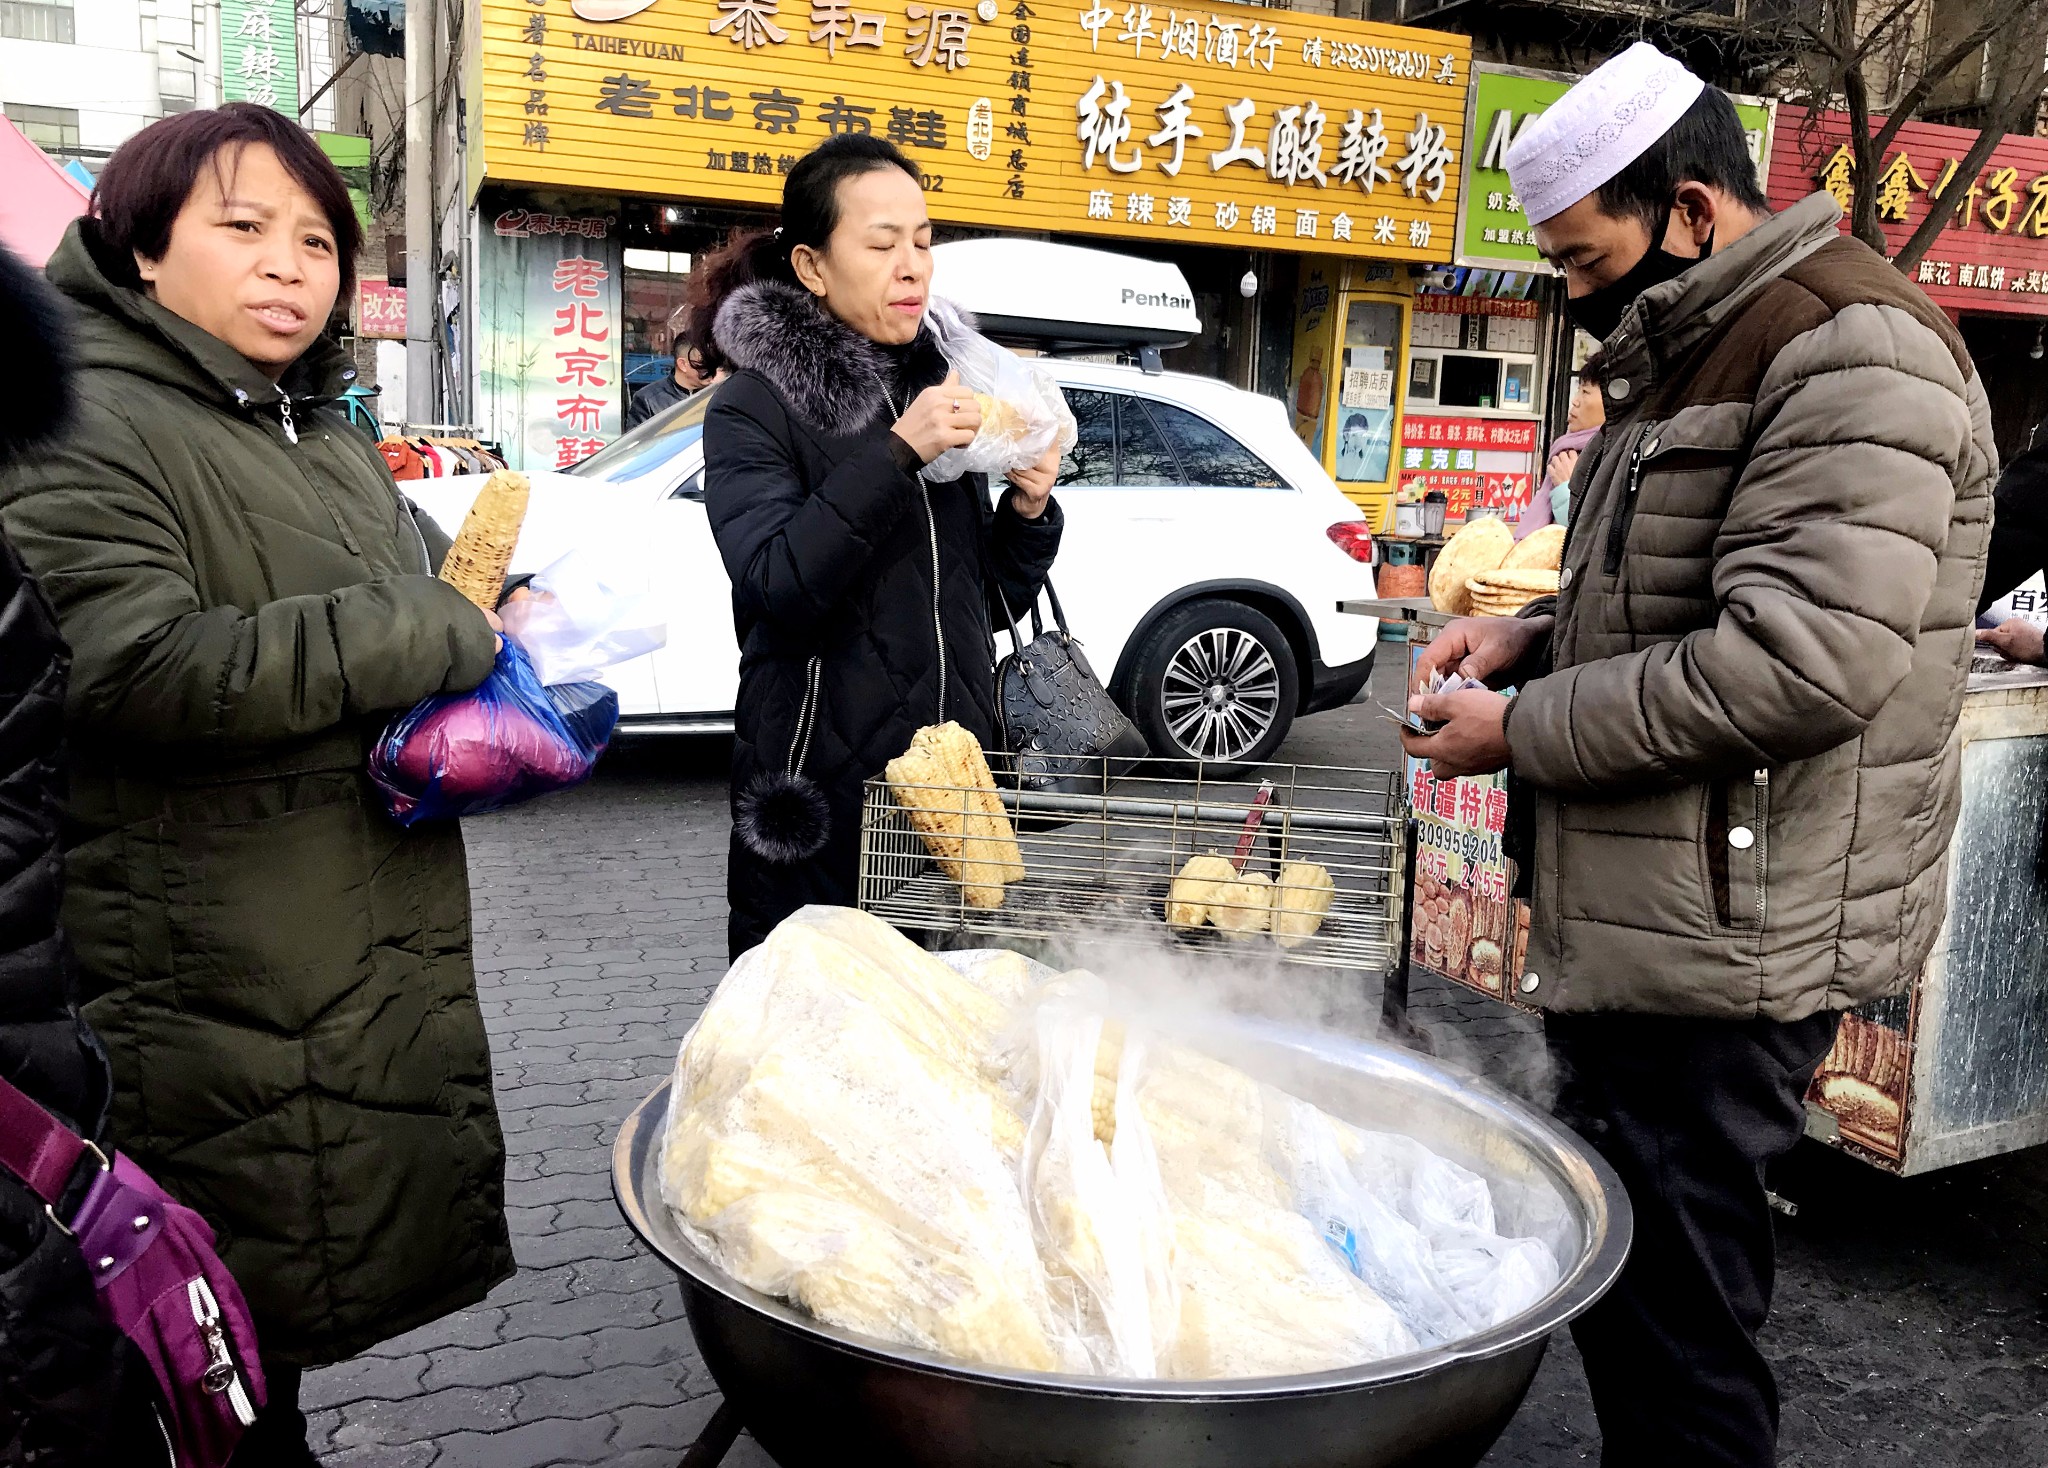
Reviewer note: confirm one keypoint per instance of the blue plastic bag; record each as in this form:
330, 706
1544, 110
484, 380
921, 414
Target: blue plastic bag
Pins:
506, 740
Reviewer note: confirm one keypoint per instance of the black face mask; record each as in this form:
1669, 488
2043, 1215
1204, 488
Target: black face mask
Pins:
1598, 312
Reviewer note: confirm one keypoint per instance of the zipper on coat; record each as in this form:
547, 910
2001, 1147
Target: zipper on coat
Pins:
284, 415
1748, 839
1761, 785
1617, 530
221, 1377
931, 523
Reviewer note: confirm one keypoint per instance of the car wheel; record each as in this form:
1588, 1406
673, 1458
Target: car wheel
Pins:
1215, 681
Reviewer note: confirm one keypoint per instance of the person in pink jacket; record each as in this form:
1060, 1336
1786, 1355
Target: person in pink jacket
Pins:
1551, 504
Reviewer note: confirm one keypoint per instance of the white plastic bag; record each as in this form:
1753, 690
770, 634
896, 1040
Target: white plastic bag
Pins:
584, 617
1101, 1218
1416, 1227
1024, 413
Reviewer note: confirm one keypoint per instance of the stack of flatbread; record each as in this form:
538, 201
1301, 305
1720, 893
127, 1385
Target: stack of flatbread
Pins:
1485, 572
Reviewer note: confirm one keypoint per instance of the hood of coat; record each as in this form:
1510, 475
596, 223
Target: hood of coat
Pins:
831, 376
1668, 320
35, 370
119, 327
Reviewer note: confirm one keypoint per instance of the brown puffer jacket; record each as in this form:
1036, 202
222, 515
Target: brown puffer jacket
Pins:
1743, 749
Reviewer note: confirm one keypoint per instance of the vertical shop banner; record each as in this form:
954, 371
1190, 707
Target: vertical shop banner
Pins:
1221, 125
1467, 925
259, 53
1492, 230
549, 292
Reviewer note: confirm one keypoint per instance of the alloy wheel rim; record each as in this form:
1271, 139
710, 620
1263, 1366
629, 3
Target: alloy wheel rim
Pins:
1221, 694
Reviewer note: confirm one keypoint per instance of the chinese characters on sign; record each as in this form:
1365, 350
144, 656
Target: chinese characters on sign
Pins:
1465, 924
380, 310
259, 54
1992, 255
1213, 124
1478, 463
550, 293
1492, 231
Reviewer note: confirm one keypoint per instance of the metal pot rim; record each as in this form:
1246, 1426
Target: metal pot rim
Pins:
1577, 1170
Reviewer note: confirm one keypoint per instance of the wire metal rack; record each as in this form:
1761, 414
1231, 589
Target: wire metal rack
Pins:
1098, 865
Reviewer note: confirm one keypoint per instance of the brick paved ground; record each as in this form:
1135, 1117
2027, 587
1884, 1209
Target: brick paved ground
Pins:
1910, 1320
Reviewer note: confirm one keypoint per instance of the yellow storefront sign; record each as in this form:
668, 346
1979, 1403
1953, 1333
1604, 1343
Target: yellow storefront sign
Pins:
1222, 125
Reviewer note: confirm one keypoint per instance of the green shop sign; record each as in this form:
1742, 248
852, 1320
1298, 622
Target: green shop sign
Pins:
259, 53
1493, 233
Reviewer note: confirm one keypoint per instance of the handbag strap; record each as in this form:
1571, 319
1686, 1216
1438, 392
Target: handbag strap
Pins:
35, 1146
1037, 623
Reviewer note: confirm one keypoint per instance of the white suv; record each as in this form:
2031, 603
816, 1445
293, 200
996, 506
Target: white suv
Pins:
1204, 556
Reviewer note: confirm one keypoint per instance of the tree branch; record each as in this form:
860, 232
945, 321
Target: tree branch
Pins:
2005, 116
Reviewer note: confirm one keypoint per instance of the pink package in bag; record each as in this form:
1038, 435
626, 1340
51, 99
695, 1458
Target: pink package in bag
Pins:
159, 1280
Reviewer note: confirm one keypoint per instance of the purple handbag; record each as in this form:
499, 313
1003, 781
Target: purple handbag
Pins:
159, 1281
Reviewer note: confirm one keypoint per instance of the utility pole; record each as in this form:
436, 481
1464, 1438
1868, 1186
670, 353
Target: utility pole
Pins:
422, 249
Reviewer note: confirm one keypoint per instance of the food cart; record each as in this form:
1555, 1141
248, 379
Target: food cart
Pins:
1952, 1069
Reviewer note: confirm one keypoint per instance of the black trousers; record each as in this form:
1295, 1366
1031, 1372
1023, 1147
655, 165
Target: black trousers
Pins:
278, 1438
1688, 1111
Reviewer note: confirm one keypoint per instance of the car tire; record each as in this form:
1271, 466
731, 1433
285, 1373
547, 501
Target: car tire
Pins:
1216, 681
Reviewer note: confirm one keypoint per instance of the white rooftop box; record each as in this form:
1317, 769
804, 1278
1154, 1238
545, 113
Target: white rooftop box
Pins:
1066, 297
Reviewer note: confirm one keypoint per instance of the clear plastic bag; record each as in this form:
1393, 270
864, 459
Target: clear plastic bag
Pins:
1023, 412
1416, 1227
505, 741
1103, 1223
586, 614
972, 1155
835, 1139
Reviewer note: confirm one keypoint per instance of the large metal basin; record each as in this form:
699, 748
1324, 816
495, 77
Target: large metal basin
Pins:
818, 1397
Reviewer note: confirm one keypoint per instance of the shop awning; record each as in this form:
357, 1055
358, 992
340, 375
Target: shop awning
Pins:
37, 198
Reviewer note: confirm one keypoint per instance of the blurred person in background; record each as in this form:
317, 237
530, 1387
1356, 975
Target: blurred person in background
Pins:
667, 391
73, 1393
280, 974
2019, 549
862, 593
1551, 504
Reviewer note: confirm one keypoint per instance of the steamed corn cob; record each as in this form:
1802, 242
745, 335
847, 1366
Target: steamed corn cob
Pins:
1201, 882
1243, 907
482, 553
1301, 899
943, 782
960, 752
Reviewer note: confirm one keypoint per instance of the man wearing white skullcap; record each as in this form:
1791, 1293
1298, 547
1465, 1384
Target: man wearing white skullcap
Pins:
1730, 752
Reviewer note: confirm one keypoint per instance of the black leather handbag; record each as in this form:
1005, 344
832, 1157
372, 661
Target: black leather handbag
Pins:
1061, 730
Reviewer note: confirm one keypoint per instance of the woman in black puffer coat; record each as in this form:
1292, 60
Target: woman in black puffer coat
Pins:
72, 1392
842, 558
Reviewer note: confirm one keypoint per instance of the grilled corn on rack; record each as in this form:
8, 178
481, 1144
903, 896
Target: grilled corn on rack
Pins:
1319, 882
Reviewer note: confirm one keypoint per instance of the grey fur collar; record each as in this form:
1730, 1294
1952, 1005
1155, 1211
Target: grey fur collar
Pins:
834, 378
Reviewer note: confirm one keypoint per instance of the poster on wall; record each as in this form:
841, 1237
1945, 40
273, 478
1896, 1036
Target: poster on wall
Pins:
1315, 338
549, 292
1477, 463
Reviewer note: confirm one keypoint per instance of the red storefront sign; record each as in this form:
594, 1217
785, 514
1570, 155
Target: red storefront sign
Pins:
1434, 305
1446, 454
1512, 436
380, 310
1992, 257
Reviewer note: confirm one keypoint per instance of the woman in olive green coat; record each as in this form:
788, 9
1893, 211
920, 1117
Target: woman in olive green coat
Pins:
281, 975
